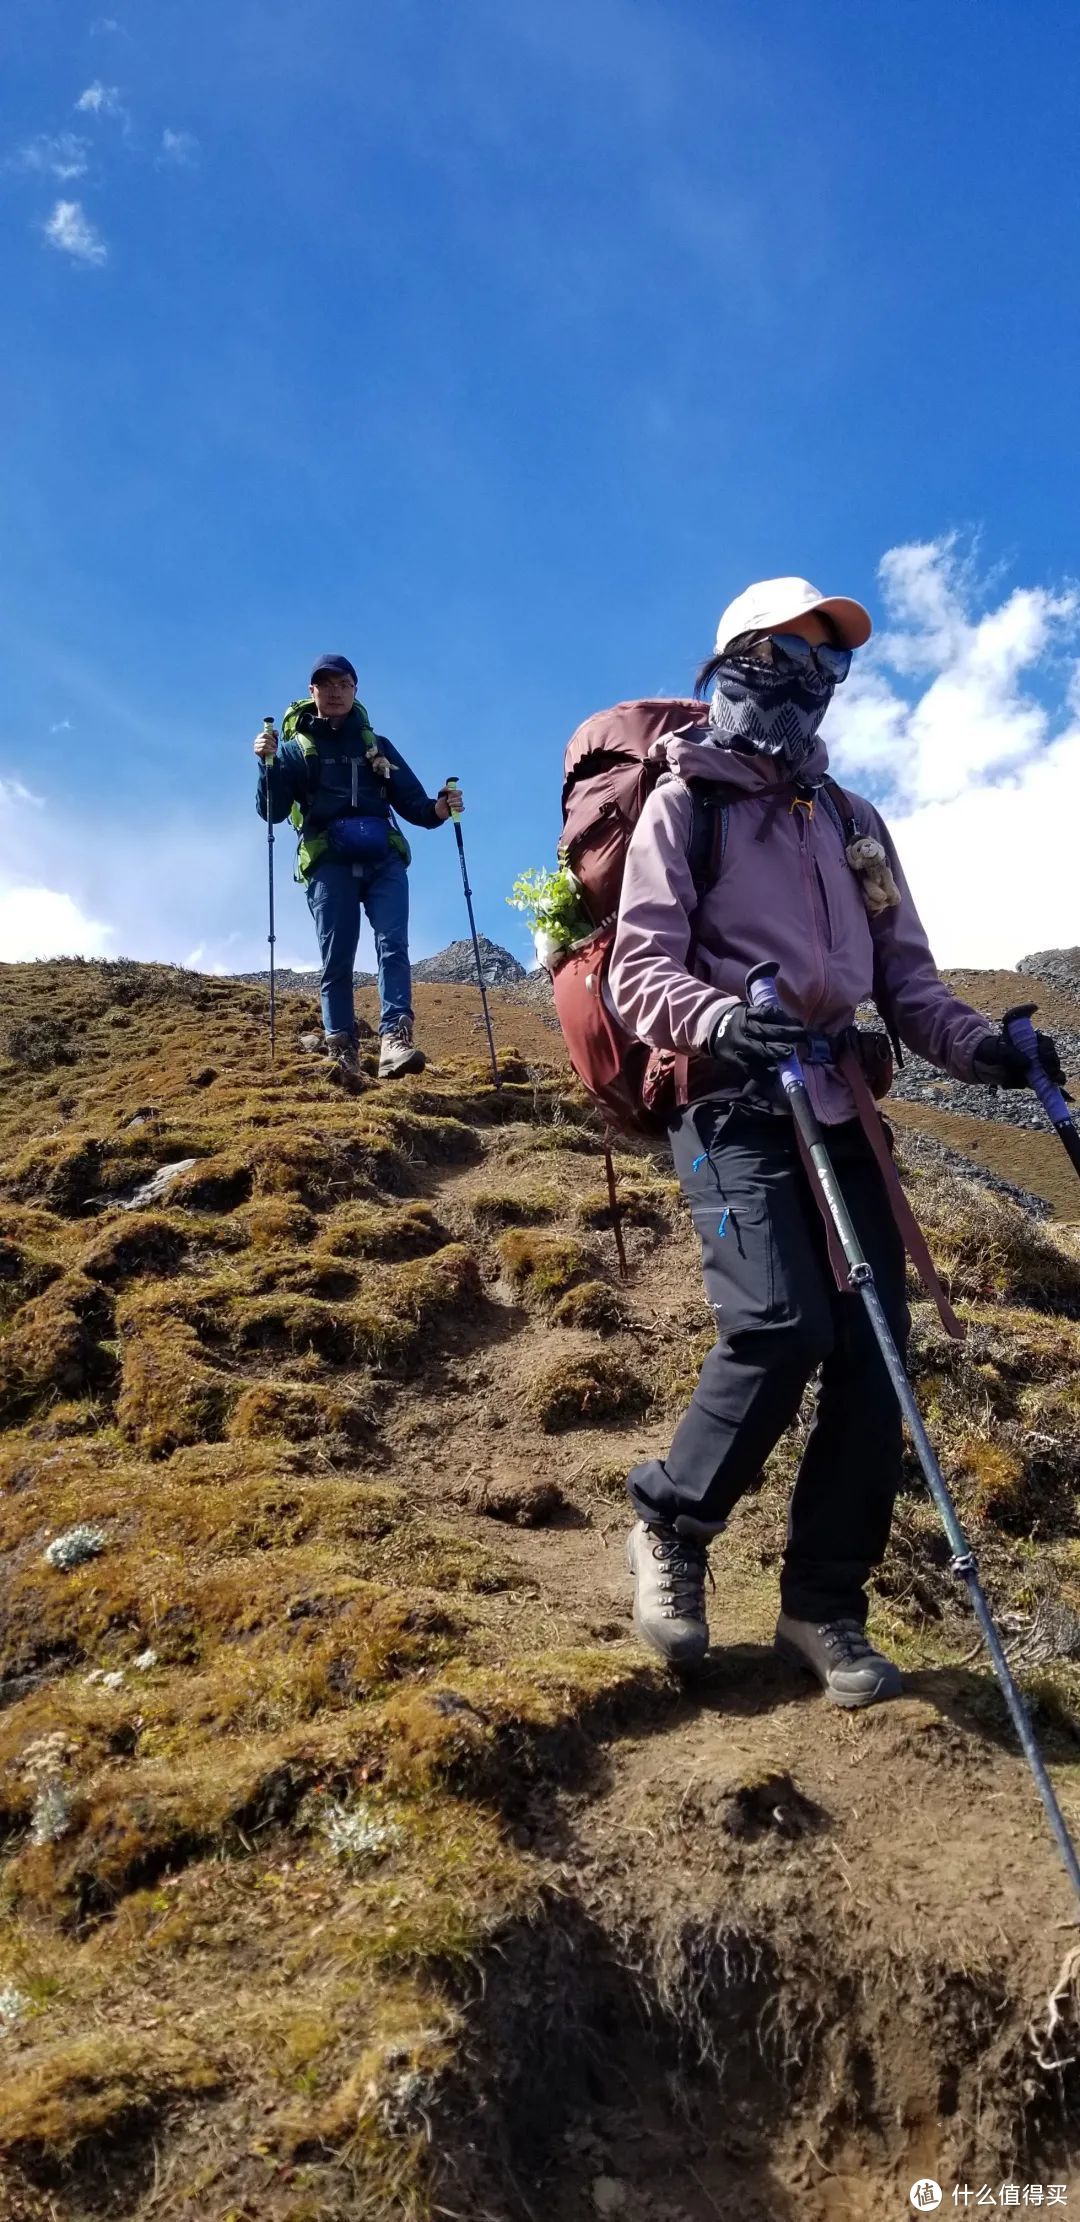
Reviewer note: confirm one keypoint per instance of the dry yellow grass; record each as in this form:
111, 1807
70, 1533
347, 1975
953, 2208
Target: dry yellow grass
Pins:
273, 1657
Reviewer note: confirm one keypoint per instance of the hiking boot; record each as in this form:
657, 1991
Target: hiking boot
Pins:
841, 1655
341, 1051
399, 1054
669, 1565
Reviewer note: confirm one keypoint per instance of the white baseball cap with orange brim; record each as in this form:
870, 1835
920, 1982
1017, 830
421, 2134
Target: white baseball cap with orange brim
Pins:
774, 603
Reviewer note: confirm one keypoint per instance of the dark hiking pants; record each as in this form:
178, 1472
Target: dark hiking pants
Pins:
780, 1317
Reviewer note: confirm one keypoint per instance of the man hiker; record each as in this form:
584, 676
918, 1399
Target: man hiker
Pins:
341, 785
806, 875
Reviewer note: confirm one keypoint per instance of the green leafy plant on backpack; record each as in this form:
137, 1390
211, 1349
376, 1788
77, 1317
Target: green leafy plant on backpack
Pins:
552, 905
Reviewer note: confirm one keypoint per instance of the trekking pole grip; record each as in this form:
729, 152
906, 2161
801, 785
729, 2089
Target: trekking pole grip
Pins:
1018, 1029
761, 986
762, 994
452, 784
268, 729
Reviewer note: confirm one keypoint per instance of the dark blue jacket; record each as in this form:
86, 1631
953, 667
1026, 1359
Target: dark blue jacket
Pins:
341, 783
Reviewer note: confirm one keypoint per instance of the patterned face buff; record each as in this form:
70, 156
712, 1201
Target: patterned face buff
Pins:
765, 712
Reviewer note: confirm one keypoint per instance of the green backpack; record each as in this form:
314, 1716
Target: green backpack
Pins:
313, 846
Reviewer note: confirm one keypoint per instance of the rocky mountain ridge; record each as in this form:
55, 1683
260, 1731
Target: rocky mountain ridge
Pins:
453, 966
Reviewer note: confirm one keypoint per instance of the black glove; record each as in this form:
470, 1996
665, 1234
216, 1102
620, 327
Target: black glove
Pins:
751, 1045
997, 1064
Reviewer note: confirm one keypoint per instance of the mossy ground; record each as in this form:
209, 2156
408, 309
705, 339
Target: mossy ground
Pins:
282, 1766
274, 1723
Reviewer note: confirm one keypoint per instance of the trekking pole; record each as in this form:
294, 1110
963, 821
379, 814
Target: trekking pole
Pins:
761, 991
455, 814
269, 730
1018, 1029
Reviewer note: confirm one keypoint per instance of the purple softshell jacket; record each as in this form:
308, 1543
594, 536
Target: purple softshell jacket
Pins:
785, 891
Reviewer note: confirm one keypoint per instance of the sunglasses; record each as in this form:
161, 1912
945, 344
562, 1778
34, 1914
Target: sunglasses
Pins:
790, 652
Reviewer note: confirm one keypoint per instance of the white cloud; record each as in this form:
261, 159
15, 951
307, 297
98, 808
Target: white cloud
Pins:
103, 25
62, 156
179, 148
99, 100
38, 920
64, 726
69, 229
43, 922
963, 721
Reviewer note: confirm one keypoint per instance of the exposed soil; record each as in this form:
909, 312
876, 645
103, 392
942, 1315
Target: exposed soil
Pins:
1030, 1160
354, 1860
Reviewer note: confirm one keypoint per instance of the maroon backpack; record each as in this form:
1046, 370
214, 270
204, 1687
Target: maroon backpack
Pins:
607, 780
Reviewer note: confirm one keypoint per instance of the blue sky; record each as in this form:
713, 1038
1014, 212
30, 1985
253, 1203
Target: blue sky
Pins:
499, 343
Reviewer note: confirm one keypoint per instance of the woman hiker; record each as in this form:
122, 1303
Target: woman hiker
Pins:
842, 924
341, 785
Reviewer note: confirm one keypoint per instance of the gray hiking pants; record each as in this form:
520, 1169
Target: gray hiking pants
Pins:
780, 1318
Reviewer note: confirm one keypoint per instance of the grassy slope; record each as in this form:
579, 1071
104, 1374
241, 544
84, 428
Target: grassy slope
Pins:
248, 1881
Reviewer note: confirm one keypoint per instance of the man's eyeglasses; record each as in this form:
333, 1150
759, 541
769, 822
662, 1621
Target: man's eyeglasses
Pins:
790, 652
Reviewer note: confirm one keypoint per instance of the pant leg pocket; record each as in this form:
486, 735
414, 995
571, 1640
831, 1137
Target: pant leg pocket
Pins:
738, 1262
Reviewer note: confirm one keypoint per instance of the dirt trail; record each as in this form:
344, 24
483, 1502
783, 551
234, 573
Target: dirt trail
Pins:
886, 1879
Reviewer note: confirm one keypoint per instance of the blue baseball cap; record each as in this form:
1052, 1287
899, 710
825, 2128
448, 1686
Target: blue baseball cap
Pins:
340, 665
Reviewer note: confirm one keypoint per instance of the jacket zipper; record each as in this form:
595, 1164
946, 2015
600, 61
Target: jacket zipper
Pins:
355, 773
808, 877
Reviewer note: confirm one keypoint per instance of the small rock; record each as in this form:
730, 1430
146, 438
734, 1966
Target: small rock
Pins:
51, 1816
450, 1702
144, 1661
74, 1547
609, 2195
157, 1186
13, 2006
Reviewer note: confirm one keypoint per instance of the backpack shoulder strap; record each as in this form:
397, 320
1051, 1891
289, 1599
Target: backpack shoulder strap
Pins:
842, 809
710, 815
295, 717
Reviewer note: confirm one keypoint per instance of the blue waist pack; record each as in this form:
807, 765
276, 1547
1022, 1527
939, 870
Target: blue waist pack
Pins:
360, 840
